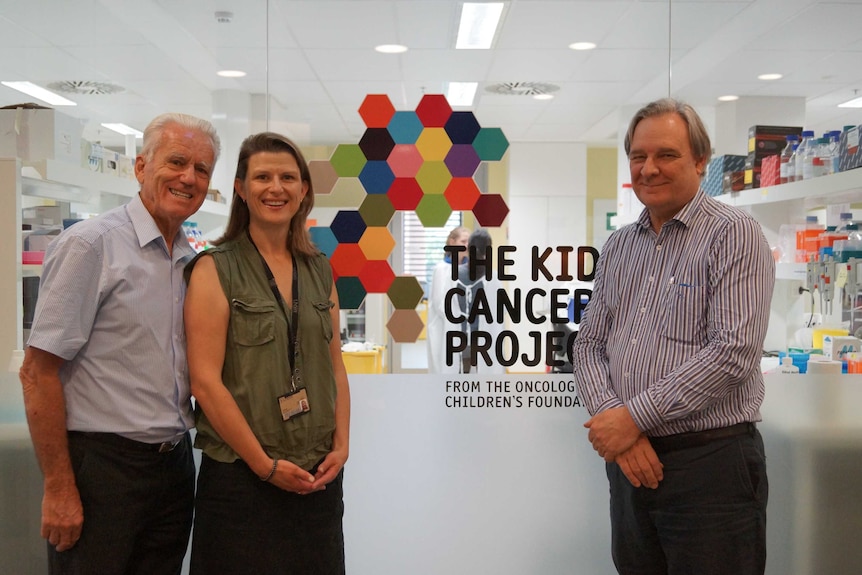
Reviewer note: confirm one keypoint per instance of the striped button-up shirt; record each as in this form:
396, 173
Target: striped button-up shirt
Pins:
111, 304
674, 329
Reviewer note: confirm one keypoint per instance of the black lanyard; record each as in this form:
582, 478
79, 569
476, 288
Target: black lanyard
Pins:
293, 325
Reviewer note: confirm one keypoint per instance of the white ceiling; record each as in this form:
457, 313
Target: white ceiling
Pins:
316, 58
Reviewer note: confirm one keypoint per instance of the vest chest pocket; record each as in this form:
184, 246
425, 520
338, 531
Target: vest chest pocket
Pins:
252, 321
323, 308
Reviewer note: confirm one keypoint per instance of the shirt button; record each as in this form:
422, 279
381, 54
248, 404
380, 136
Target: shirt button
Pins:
651, 278
634, 340
643, 310
658, 248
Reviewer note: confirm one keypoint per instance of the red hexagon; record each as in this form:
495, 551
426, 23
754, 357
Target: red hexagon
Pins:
347, 260
490, 210
376, 110
405, 193
462, 193
433, 110
376, 276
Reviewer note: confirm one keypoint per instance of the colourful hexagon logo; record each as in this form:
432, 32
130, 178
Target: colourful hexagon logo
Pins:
422, 160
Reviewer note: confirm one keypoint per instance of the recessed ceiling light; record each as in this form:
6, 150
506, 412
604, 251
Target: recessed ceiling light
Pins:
391, 48
124, 130
582, 45
769, 77
543, 96
478, 25
461, 93
728, 98
230, 73
854, 103
40, 93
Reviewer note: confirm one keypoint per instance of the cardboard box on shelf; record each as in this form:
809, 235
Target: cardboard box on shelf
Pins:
215, 196
849, 150
45, 216
769, 171
91, 156
720, 165
35, 133
126, 167
110, 162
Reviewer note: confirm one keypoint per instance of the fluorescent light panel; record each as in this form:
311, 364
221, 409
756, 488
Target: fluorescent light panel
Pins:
854, 103
461, 93
391, 48
230, 73
124, 130
39, 93
478, 25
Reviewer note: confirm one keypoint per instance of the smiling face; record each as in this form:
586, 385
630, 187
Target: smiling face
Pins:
665, 174
175, 179
273, 189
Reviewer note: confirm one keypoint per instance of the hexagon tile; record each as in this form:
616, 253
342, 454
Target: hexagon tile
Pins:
422, 161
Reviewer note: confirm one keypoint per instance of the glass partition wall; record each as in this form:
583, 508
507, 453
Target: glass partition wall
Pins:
303, 68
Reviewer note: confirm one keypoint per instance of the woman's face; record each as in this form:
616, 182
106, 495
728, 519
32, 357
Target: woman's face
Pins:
461, 240
273, 188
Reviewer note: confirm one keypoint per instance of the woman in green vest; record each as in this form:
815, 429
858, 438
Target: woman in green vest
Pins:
272, 398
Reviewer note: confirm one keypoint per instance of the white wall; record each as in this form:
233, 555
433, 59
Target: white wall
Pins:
547, 203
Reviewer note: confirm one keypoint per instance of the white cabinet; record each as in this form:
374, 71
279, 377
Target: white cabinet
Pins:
92, 191
787, 203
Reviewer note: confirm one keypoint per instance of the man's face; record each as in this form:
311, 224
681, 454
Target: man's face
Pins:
665, 175
174, 181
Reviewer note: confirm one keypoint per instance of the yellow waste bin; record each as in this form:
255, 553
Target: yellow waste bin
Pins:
370, 361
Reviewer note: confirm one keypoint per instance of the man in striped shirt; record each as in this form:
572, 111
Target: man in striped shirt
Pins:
105, 377
667, 362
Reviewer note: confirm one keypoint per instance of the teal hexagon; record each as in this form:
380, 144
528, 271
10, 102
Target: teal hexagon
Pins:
490, 144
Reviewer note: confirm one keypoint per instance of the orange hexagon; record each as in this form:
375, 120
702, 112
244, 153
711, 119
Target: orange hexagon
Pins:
377, 243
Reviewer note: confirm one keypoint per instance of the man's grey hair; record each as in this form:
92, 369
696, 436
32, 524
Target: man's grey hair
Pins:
698, 138
155, 129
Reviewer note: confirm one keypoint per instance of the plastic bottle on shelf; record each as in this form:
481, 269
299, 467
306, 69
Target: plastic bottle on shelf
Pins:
801, 151
787, 365
834, 152
811, 162
791, 164
786, 156
844, 220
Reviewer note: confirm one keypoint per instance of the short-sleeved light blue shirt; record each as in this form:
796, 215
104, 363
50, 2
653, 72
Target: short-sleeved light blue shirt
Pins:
111, 304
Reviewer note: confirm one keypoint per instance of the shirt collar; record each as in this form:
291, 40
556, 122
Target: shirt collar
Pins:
684, 216
147, 231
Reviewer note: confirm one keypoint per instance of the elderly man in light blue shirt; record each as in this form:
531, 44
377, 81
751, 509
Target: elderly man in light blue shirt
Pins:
105, 377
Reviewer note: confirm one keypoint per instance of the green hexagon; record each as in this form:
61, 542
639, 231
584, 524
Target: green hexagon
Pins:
433, 211
376, 210
348, 160
490, 144
433, 177
405, 292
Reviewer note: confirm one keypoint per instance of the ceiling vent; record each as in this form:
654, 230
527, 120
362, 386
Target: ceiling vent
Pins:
522, 88
85, 87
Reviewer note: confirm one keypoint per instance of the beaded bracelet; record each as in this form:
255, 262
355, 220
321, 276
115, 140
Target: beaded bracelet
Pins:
271, 471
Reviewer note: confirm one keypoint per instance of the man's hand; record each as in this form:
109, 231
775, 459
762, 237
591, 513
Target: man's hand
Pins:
641, 465
612, 432
62, 516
